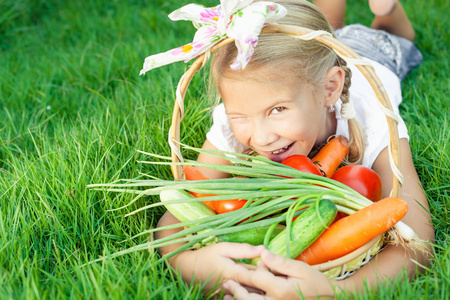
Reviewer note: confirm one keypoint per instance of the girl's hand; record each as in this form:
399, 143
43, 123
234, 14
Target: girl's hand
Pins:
214, 264
288, 279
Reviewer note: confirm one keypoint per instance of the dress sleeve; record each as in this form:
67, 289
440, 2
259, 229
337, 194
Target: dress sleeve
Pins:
220, 133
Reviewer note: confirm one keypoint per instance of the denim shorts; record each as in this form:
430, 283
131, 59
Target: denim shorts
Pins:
396, 53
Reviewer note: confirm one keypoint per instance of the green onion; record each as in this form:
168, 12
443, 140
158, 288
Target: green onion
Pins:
272, 199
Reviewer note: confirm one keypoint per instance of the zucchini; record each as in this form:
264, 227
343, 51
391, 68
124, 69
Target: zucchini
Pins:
185, 211
305, 230
252, 236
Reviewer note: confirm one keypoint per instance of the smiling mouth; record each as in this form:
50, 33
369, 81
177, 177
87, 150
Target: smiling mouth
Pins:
282, 150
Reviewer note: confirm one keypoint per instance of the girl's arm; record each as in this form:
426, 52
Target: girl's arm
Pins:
203, 157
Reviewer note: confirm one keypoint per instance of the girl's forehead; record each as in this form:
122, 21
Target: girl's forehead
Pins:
261, 82
270, 74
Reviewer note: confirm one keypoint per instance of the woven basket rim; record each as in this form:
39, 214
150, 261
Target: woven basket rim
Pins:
349, 257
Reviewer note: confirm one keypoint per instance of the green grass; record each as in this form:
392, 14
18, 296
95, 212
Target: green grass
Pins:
73, 110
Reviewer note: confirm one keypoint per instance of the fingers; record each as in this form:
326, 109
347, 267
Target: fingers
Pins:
299, 278
266, 280
261, 265
282, 265
238, 292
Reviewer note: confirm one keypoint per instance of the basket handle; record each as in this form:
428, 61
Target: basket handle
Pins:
341, 49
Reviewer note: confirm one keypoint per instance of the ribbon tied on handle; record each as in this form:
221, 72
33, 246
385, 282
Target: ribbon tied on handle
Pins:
238, 19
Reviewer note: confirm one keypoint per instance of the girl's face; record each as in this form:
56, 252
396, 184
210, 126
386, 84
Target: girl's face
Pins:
276, 119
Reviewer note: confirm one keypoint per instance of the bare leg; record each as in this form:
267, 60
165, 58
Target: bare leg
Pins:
382, 7
334, 10
396, 21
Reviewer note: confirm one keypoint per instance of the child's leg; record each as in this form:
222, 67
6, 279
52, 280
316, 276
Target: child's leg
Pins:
334, 10
390, 17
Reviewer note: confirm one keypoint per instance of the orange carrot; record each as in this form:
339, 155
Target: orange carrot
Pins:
355, 230
192, 173
331, 156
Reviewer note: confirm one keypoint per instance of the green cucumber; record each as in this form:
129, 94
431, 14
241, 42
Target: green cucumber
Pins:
252, 236
305, 230
186, 211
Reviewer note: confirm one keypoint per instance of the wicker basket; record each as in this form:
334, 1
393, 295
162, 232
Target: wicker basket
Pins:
344, 266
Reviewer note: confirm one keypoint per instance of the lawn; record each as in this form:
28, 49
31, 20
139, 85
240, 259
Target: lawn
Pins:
73, 111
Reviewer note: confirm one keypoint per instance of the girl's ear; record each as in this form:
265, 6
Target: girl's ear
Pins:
334, 83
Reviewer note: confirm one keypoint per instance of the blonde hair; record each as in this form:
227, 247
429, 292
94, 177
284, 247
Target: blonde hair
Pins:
310, 61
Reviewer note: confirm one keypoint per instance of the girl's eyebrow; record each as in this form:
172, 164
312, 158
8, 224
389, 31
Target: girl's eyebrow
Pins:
280, 102
233, 114
272, 105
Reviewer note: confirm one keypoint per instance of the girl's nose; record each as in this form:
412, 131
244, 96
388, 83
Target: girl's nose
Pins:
263, 135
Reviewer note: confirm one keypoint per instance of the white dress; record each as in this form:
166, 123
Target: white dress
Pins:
368, 113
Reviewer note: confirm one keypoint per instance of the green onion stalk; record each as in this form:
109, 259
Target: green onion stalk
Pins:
276, 194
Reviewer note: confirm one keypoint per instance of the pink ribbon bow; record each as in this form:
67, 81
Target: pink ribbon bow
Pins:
238, 19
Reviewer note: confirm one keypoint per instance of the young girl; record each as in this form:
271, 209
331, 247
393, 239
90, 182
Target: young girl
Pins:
289, 99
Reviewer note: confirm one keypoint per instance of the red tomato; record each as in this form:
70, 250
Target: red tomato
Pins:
224, 206
301, 163
198, 195
362, 179
210, 204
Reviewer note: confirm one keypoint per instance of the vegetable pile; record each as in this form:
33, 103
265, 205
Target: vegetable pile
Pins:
293, 212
